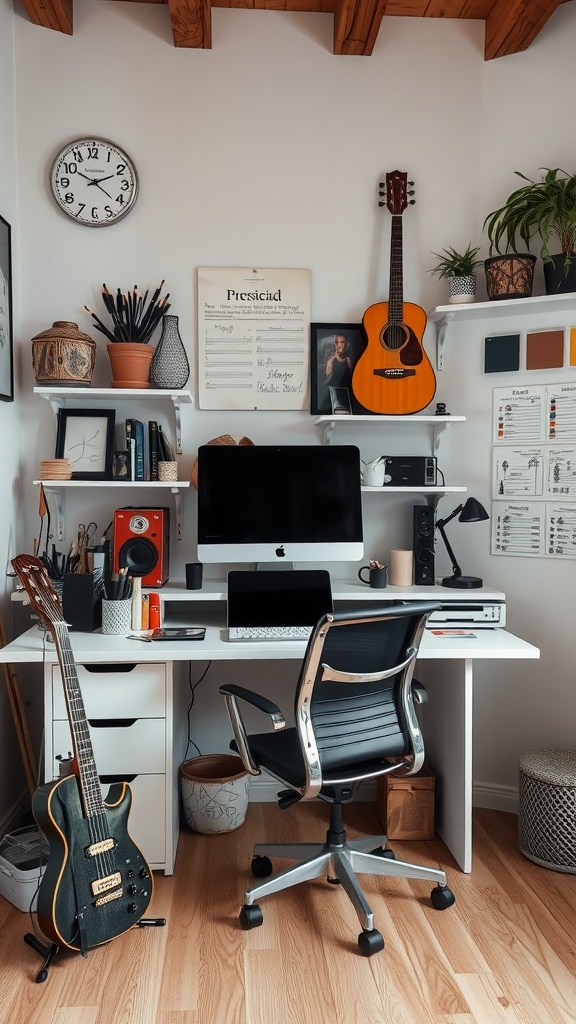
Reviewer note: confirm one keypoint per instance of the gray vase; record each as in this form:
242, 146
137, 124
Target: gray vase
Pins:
169, 367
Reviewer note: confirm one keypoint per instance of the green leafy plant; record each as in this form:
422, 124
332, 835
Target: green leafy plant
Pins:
457, 264
546, 207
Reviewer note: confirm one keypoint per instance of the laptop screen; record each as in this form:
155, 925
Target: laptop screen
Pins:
282, 597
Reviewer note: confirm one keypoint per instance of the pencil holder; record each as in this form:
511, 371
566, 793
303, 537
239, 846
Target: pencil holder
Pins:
117, 616
167, 470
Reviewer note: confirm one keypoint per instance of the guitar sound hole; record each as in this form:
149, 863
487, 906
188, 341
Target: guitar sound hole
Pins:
395, 335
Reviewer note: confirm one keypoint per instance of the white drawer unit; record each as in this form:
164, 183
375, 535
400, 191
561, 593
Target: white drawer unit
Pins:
138, 727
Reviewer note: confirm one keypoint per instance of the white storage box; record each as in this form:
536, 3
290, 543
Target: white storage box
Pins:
23, 856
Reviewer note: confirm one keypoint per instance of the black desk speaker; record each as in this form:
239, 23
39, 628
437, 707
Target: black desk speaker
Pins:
423, 544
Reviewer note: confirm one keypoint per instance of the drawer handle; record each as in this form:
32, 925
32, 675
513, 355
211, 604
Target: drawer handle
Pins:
128, 667
109, 780
111, 723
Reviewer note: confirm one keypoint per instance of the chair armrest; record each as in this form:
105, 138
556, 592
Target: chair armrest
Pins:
419, 692
258, 701
231, 695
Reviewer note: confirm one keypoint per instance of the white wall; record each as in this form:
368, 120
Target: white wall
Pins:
267, 150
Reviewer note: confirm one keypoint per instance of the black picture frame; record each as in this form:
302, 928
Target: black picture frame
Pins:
322, 346
86, 437
6, 327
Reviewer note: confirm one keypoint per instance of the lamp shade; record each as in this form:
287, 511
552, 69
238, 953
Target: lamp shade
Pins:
473, 512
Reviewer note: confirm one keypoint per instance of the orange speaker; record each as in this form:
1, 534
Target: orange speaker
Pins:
142, 543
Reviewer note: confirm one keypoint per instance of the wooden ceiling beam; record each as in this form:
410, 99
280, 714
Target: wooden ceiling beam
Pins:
56, 14
356, 26
191, 23
513, 24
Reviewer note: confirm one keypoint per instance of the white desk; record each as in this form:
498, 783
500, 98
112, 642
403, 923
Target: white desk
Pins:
445, 666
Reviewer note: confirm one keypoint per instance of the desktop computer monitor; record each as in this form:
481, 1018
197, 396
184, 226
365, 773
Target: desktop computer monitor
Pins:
279, 503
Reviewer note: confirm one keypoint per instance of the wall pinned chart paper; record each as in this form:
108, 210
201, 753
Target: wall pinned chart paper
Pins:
253, 344
518, 528
519, 415
517, 472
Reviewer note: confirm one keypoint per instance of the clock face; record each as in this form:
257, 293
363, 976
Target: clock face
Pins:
94, 182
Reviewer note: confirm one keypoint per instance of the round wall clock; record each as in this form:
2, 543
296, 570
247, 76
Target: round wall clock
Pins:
94, 181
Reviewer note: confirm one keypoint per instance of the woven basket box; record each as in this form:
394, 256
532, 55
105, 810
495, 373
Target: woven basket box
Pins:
406, 805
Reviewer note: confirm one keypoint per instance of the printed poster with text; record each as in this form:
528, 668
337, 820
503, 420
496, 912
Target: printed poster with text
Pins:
253, 338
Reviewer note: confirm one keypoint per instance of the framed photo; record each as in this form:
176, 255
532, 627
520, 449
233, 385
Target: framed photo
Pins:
6, 343
335, 350
86, 437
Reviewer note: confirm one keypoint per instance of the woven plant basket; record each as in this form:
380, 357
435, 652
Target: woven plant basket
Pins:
215, 791
63, 355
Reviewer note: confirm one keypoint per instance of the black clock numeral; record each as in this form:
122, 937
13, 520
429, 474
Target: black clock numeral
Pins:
69, 198
64, 182
120, 169
120, 200
82, 207
78, 156
109, 213
94, 213
93, 153
70, 168
125, 185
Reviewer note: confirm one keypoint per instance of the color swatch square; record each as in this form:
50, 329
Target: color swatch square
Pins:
544, 350
502, 353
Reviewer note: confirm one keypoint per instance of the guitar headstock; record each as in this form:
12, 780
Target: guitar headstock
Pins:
394, 194
36, 583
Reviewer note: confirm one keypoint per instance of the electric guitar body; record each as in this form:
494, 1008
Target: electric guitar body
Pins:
394, 376
85, 900
96, 884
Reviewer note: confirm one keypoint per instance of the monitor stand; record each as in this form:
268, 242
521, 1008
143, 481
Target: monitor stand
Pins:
267, 566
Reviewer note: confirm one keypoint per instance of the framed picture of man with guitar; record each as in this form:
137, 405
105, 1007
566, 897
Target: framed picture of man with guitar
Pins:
335, 351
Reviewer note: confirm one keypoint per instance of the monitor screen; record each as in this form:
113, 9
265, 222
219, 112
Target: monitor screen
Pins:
270, 503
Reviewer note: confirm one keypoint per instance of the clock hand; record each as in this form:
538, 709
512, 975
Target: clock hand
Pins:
98, 185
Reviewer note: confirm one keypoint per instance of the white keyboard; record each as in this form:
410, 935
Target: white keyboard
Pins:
269, 632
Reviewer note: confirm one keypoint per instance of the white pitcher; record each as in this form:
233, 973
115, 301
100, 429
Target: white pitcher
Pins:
373, 472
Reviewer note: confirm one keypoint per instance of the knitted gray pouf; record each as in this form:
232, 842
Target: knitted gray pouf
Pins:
547, 808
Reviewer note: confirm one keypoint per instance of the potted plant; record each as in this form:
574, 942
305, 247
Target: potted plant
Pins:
134, 320
509, 273
548, 208
460, 270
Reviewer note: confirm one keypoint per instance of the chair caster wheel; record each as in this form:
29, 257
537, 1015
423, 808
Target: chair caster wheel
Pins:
370, 942
382, 851
442, 897
250, 917
261, 867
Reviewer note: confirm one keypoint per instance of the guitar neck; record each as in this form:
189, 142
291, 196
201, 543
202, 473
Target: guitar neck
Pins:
396, 291
87, 774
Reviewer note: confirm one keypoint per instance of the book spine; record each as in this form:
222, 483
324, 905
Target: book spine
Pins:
131, 448
145, 624
140, 454
153, 448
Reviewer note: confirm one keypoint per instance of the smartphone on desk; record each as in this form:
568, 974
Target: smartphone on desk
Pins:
178, 633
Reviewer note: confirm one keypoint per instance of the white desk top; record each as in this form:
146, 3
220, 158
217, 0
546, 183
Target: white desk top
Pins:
93, 647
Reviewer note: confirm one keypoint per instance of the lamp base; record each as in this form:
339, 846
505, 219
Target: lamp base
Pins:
462, 582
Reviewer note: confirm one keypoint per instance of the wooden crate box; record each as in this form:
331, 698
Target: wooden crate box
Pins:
406, 805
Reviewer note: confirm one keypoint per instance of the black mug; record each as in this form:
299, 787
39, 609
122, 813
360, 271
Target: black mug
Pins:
193, 575
378, 577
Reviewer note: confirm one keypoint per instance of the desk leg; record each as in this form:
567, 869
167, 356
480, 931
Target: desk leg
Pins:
447, 730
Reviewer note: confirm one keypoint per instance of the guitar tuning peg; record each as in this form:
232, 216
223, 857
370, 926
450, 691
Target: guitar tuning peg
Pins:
411, 202
381, 204
381, 184
410, 183
410, 192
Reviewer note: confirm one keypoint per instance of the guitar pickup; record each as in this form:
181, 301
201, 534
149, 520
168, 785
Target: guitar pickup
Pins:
116, 895
103, 884
102, 847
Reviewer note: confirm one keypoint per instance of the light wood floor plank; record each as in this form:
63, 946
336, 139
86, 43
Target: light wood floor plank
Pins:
504, 954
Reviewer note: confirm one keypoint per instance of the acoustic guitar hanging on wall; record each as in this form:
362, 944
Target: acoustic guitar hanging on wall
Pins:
394, 376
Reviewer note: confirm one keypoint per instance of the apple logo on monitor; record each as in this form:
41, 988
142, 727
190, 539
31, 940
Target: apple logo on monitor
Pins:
280, 553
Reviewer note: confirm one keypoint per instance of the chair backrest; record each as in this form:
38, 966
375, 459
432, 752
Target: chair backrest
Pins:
354, 702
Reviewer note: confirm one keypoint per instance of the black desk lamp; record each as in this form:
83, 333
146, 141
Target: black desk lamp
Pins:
471, 512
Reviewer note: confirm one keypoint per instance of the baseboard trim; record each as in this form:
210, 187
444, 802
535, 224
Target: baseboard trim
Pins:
264, 789
495, 797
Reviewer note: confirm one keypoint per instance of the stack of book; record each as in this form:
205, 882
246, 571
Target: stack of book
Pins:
146, 445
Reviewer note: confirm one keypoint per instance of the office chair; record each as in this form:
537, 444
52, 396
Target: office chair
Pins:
354, 720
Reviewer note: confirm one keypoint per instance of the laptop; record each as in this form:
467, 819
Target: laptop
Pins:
276, 604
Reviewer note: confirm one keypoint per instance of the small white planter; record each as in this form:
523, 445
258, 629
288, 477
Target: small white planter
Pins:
462, 289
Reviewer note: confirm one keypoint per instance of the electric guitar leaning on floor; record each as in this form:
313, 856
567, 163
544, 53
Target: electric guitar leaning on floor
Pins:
97, 884
394, 376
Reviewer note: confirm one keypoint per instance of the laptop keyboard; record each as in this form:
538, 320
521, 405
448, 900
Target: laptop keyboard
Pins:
269, 632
